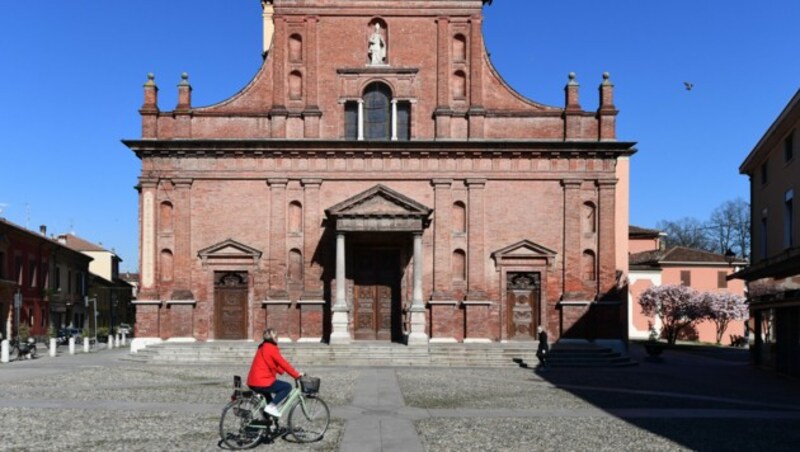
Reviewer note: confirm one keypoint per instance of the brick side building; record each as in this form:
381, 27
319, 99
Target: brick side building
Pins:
378, 179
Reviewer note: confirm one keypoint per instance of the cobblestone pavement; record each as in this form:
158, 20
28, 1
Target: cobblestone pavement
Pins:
689, 401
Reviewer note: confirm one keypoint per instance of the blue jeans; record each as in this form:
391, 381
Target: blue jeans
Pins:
281, 389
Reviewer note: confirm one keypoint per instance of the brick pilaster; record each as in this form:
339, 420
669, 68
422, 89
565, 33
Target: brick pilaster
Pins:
573, 285
476, 246
606, 253
183, 239
312, 232
277, 239
442, 230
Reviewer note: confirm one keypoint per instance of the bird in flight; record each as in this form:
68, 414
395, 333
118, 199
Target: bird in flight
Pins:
688, 86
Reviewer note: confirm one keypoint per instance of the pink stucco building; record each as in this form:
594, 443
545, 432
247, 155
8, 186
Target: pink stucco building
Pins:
702, 270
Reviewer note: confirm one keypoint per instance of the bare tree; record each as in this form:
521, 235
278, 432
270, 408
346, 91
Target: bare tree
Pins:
687, 231
729, 228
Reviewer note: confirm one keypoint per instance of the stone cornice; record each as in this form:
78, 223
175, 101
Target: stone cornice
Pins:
418, 148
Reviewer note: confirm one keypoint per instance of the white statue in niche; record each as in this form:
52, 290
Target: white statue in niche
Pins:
377, 47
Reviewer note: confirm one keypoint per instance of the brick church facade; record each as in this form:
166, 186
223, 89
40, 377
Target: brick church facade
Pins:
378, 180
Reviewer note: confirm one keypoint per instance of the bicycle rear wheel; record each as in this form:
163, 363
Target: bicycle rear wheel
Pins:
235, 425
309, 421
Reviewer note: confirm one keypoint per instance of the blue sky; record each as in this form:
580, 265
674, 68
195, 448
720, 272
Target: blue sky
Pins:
72, 75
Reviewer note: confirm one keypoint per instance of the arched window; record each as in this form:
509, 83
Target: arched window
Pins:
589, 218
295, 217
166, 265
166, 216
295, 266
459, 85
459, 217
459, 265
295, 85
459, 48
377, 112
589, 266
295, 48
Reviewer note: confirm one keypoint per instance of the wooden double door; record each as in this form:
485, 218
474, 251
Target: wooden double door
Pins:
230, 306
376, 296
523, 295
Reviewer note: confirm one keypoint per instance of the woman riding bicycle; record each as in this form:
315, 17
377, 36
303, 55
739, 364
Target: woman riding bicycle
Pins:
267, 365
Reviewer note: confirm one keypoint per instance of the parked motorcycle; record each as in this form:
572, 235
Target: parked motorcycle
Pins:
22, 350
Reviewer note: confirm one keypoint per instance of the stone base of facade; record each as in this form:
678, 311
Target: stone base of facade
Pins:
140, 343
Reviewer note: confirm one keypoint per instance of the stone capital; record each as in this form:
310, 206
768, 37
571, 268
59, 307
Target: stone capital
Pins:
571, 183
441, 183
475, 183
606, 183
277, 182
311, 183
183, 182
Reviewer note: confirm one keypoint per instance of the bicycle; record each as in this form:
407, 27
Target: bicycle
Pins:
244, 424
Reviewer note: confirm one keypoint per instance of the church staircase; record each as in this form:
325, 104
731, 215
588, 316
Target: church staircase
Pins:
581, 354
360, 353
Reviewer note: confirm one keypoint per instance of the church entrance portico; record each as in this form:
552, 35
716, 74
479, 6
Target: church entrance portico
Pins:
378, 223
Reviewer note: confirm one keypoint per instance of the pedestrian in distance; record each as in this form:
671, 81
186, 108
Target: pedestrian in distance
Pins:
268, 363
544, 347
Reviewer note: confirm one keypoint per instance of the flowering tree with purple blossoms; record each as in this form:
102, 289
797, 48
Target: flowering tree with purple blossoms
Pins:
676, 306
723, 308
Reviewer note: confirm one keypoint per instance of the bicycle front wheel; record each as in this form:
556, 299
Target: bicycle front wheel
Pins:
236, 424
309, 420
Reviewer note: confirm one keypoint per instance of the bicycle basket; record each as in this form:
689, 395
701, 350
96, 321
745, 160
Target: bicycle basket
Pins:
309, 385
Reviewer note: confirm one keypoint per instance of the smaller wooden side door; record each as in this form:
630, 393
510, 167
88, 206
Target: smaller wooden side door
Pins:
230, 301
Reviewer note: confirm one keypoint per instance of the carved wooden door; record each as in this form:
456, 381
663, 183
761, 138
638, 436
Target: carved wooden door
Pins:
522, 302
376, 295
230, 301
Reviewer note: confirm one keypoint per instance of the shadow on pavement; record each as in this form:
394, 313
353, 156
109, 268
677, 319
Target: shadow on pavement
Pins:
701, 398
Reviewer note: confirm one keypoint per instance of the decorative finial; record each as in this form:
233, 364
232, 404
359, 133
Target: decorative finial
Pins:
606, 78
151, 79
572, 80
184, 78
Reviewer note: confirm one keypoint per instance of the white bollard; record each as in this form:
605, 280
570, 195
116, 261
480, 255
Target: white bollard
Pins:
124, 339
110, 342
116, 340
4, 351
52, 347
72, 346
85, 345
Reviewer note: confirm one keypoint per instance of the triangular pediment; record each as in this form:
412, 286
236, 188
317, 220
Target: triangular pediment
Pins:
229, 249
379, 201
524, 249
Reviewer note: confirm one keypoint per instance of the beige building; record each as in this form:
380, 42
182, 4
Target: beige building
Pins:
773, 278
111, 293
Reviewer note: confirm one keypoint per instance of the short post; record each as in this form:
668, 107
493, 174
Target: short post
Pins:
85, 345
116, 340
124, 339
72, 346
52, 347
4, 351
110, 341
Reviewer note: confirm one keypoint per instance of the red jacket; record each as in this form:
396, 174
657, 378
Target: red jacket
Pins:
267, 365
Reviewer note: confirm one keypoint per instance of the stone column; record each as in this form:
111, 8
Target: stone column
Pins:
360, 119
341, 313
606, 249
476, 260
418, 334
277, 236
442, 230
394, 119
572, 284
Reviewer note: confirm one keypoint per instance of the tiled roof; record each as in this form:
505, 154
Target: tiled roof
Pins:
678, 254
79, 244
